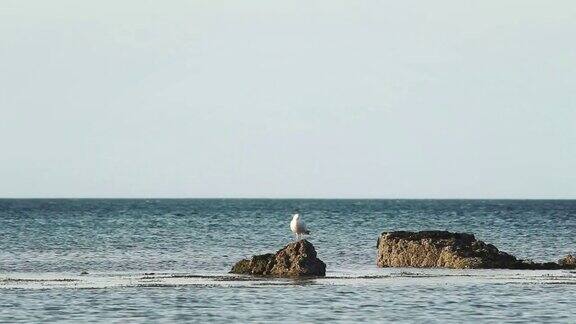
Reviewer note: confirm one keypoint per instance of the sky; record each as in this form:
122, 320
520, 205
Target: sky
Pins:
288, 99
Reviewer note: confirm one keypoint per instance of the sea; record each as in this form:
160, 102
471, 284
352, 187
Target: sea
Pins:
168, 260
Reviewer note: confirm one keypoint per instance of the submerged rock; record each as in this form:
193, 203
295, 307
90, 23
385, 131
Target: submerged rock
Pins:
442, 249
296, 259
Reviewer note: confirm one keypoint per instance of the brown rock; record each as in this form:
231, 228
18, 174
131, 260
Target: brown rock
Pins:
442, 249
568, 262
296, 259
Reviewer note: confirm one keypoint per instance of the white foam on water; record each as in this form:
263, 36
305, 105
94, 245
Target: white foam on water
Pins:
388, 276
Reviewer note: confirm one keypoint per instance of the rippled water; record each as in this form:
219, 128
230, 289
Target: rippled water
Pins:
166, 260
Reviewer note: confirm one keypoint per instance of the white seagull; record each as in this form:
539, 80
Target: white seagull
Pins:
298, 226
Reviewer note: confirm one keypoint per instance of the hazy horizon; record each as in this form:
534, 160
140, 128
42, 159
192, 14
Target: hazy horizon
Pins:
288, 99
280, 198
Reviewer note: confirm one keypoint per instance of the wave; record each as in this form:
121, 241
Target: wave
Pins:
383, 277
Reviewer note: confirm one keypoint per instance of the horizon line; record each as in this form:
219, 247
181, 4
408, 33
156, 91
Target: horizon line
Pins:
278, 198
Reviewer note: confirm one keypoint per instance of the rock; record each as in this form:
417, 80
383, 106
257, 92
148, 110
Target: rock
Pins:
296, 259
568, 262
442, 249
530, 265
257, 265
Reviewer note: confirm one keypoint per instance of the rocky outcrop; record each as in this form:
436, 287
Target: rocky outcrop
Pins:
568, 262
442, 249
296, 259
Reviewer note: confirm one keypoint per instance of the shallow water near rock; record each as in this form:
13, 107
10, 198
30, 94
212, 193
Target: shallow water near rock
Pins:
168, 260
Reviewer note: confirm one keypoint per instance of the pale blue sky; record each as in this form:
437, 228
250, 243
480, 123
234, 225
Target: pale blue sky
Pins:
343, 99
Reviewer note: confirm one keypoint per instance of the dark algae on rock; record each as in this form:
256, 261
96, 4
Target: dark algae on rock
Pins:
443, 249
296, 259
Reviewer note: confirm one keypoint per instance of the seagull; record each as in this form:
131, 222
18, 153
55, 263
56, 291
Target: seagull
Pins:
298, 226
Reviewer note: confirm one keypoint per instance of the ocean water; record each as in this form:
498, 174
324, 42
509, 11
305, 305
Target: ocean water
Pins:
168, 260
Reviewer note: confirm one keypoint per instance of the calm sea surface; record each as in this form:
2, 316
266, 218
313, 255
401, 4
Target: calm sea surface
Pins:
167, 260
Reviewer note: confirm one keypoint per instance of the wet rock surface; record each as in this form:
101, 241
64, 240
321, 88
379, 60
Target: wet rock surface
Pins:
297, 259
443, 249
